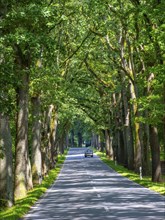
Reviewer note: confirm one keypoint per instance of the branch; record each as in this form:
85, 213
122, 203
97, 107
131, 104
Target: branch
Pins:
95, 75
77, 49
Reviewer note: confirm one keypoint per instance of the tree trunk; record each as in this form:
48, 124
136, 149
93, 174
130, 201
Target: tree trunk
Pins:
109, 149
72, 138
29, 172
36, 141
80, 140
164, 116
127, 132
6, 166
120, 148
145, 149
155, 153
46, 140
67, 140
61, 143
94, 140
54, 123
136, 130
21, 160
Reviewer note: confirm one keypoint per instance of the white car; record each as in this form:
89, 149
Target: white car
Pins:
88, 153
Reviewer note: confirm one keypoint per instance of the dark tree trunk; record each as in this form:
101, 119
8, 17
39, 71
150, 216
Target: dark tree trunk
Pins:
109, 149
72, 138
145, 151
120, 149
46, 140
80, 139
6, 166
67, 140
155, 153
127, 132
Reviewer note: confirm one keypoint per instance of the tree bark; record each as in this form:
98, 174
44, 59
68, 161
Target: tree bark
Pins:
46, 141
36, 141
136, 130
21, 160
80, 140
127, 132
145, 149
6, 166
108, 141
72, 138
54, 123
155, 153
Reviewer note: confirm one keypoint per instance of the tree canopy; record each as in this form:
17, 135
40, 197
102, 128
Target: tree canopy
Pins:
74, 71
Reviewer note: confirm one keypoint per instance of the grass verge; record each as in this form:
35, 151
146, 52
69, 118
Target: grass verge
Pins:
146, 181
22, 206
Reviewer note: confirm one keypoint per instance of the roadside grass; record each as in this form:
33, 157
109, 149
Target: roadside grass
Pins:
146, 181
22, 206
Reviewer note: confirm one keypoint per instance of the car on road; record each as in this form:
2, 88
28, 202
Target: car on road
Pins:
88, 153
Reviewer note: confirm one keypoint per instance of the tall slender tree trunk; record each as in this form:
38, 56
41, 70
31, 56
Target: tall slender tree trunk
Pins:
54, 123
67, 140
127, 121
121, 152
6, 166
29, 172
109, 149
136, 131
127, 132
36, 140
145, 149
155, 153
164, 117
21, 160
62, 142
80, 140
46, 140
72, 138
94, 141
134, 95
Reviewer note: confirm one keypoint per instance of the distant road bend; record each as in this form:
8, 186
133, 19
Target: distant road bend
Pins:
87, 189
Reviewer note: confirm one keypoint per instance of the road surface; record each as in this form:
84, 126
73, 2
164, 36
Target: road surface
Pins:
87, 189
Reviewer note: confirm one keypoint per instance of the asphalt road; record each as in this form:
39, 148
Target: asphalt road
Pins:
87, 189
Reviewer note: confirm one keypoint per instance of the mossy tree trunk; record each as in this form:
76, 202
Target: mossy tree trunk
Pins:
23, 175
22, 165
6, 166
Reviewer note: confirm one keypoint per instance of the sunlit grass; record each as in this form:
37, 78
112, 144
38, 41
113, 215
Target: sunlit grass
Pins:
146, 181
22, 206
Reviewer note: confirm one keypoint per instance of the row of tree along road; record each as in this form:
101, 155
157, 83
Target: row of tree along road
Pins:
90, 68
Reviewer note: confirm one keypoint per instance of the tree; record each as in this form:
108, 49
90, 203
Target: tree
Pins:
6, 166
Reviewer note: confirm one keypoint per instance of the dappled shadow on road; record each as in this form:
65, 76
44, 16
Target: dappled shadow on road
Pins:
88, 190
